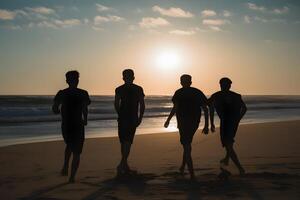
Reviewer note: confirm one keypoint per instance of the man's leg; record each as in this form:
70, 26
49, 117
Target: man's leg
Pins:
225, 160
125, 150
64, 171
75, 165
188, 158
234, 158
182, 167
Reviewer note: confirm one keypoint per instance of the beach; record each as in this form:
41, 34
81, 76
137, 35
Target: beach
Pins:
269, 152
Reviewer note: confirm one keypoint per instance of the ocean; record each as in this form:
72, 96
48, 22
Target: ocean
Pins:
27, 119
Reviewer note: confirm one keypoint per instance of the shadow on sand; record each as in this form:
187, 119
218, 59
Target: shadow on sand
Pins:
172, 185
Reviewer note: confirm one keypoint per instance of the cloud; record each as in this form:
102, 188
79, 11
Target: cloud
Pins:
215, 28
96, 28
247, 19
182, 32
110, 18
278, 11
227, 13
67, 22
101, 8
41, 10
264, 20
56, 24
215, 22
173, 12
208, 13
7, 15
253, 6
149, 22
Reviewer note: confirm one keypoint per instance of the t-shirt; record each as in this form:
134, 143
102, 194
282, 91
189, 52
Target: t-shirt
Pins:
73, 101
189, 102
228, 104
130, 95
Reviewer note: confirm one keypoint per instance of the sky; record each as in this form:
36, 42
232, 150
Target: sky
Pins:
255, 43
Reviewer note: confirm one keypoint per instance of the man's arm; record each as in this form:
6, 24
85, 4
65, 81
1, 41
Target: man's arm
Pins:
85, 114
142, 110
206, 125
85, 109
211, 114
56, 103
243, 109
117, 103
172, 113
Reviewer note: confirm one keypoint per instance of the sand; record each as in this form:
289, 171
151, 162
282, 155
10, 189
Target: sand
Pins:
269, 152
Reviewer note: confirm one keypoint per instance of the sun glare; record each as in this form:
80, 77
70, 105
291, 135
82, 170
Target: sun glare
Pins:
168, 59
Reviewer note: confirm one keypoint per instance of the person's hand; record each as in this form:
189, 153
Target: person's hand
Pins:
139, 122
212, 128
167, 123
55, 110
205, 130
85, 122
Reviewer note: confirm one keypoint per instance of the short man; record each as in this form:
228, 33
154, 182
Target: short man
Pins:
188, 102
130, 107
230, 108
72, 103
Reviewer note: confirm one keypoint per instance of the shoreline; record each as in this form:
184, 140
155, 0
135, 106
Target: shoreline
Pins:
93, 135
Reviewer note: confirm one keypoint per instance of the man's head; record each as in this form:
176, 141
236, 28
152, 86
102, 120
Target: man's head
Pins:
186, 80
225, 84
128, 76
72, 78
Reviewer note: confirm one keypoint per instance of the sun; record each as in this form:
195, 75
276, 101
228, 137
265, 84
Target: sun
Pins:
168, 59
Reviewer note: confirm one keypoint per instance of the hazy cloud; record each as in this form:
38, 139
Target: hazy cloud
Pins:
149, 22
253, 6
41, 10
57, 23
227, 13
215, 28
247, 19
263, 9
182, 32
173, 12
208, 13
7, 15
280, 11
101, 8
109, 18
215, 22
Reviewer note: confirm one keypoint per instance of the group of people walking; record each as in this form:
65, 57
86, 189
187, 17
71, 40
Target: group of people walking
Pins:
188, 103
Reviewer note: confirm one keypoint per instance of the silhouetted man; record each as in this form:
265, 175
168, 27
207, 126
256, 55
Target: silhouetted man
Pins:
188, 102
130, 106
230, 108
72, 103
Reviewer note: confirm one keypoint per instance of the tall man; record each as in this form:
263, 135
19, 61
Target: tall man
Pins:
188, 102
130, 107
230, 108
72, 103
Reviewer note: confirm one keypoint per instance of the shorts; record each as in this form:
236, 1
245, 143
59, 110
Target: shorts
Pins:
187, 133
126, 130
228, 129
73, 137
